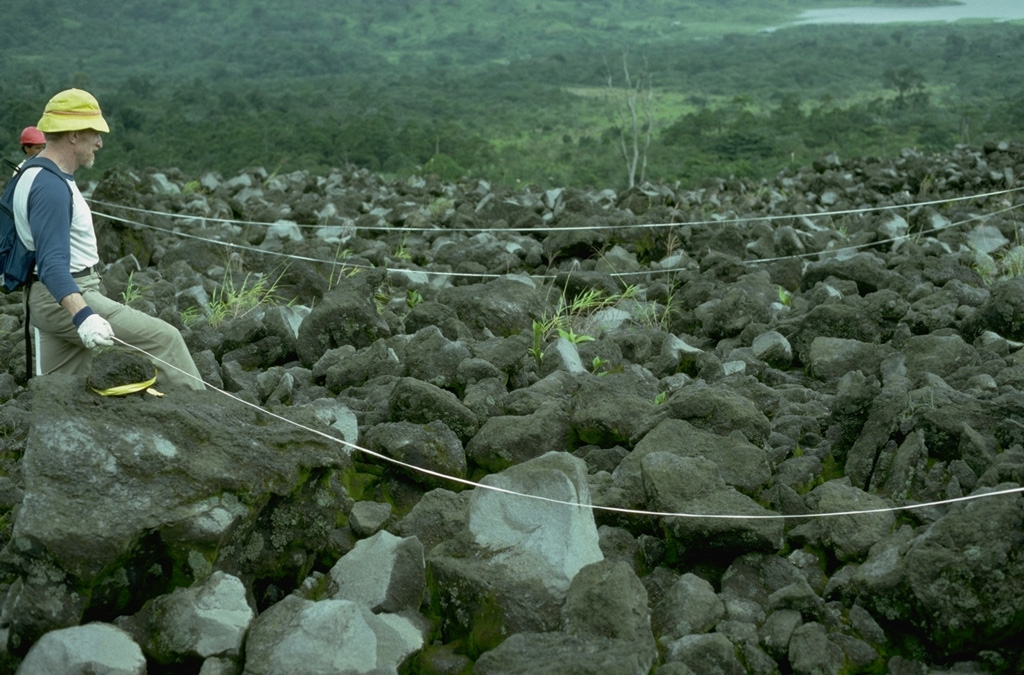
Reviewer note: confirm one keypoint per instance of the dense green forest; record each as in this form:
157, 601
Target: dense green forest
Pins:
508, 90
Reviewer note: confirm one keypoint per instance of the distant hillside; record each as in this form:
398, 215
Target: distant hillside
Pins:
515, 91
260, 39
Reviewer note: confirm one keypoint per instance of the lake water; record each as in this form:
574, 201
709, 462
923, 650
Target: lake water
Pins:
996, 10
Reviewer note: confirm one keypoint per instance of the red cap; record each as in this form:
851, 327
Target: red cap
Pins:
32, 136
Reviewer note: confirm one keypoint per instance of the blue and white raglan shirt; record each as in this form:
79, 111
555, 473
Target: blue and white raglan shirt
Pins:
41, 215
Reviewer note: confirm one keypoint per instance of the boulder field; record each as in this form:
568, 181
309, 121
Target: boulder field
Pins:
740, 427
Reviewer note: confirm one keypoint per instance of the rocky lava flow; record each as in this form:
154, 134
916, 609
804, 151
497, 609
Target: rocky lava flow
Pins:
691, 380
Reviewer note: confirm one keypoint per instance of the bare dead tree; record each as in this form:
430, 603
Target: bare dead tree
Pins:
634, 101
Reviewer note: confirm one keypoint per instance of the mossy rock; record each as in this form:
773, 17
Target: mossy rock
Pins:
118, 367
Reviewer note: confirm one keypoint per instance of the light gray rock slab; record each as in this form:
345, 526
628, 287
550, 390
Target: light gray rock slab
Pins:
95, 648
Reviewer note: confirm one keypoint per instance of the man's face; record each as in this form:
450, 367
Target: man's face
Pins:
33, 150
88, 142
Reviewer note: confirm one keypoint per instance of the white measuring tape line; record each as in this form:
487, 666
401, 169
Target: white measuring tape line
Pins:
292, 256
691, 223
594, 507
483, 275
891, 240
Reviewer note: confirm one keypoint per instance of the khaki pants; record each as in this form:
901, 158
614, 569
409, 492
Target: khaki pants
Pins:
58, 348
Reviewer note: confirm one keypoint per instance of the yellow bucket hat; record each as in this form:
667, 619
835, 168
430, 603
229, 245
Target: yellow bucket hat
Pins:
72, 110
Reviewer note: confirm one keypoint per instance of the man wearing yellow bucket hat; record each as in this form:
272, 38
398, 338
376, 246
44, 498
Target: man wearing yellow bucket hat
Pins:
69, 314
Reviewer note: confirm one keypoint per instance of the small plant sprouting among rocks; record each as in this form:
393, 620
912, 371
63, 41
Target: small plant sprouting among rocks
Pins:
986, 267
340, 270
190, 315
655, 315
402, 252
132, 291
570, 318
1008, 265
571, 336
536, 349
229, 302
440, 206
1012, 262
785, 297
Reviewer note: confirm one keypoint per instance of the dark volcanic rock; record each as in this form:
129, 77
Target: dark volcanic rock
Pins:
540, 431
119, 367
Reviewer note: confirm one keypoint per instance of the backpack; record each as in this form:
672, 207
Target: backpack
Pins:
16, 261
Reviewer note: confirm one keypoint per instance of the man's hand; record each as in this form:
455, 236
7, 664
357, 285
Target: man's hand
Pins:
95, 331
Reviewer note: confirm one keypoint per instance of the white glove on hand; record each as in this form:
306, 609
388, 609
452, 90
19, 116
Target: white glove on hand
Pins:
95, 331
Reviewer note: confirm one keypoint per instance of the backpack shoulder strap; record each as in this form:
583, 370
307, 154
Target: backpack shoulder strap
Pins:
47, 165
9, 188
43, 163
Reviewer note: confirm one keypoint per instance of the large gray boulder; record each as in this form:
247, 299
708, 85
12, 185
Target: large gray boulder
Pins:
1002, 313
606, 600
346, 316
507, 440
484, 249
440, 515
941, 355
811, 651
207, 620
384, 572
433, 313
550, 532
511, 569
740, 463
690, 606
955, 580
703, 516
706, 653
712, 407
298, 636
751, 580
420, 402
742, 303
423, 453
94, 648
866, 520
867, 270
607, 410
432, 358
125, 498
560, 654
606, 626
829, 358
848, 318
355, 368
502, 307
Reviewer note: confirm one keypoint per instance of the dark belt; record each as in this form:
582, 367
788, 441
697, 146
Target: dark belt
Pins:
84, 273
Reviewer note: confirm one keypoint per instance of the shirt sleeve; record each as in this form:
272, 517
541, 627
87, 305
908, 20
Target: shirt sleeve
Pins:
49, 217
